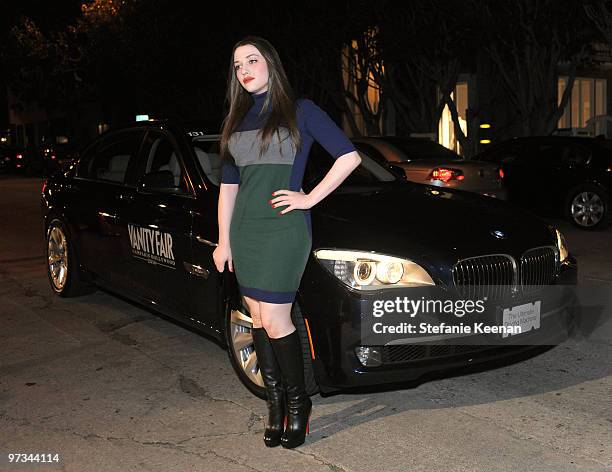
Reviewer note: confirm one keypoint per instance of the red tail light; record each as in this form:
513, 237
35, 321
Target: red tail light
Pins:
445, 174
501, 173
19, 156
44, 186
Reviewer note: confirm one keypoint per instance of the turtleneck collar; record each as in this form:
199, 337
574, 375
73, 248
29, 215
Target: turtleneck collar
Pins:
259, 96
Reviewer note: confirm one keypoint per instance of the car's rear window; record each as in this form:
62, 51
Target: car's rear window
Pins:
421, 148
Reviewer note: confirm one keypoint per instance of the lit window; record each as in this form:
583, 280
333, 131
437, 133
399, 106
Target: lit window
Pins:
587, 101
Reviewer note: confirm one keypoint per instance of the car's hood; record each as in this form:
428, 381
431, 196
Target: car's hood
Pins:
416, 220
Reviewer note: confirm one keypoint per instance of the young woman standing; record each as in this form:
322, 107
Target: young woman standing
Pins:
265, 142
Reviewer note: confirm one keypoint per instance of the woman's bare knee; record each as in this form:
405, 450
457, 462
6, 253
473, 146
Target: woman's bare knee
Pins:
276, 319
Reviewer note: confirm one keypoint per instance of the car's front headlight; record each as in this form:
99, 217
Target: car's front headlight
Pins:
370, 271
562, 246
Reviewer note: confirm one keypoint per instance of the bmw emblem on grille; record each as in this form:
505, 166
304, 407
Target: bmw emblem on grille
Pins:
498, 234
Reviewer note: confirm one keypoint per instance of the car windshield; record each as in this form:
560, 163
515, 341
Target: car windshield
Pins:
207, 150
412, 149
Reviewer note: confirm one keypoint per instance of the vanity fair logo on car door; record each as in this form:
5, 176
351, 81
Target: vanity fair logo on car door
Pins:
151, 245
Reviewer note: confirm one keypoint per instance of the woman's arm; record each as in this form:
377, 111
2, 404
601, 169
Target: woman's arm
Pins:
329, 135
341, 169
227, 199
223, 251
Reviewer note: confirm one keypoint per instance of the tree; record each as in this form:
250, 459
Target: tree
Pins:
424, 46
526, 41
600, 14
311, 42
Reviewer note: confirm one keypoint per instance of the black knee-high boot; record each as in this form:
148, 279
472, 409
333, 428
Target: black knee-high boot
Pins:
272, 377
288, 350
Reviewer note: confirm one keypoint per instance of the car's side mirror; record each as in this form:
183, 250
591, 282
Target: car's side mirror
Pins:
158, 181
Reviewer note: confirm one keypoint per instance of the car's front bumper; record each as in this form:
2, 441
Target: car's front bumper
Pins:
334, 320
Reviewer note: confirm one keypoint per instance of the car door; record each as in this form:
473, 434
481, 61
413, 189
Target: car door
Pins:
158, 227
205, 280
98, 198
571, 168
545, 175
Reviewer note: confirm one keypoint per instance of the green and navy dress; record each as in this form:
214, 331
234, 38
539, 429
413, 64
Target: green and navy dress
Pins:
270, 250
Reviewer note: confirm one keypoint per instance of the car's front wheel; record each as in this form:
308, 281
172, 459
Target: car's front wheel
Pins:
62, 264
242, 354
588, 207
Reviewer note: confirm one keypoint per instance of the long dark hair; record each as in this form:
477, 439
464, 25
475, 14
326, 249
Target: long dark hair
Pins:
280, 100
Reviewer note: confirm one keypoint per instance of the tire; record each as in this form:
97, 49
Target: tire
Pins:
240, 349
63, 271
588, 207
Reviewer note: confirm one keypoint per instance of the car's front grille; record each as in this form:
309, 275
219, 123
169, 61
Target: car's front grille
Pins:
498, 276
491, 276
538, 268
398, 353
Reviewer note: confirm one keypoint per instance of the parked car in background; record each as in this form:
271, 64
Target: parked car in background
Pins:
562, 176
22, 160
33, 161
56, 155
25, 160
427, 162
7, 159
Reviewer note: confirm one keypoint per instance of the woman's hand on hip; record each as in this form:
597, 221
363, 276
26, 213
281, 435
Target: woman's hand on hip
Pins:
221, 254
294, 200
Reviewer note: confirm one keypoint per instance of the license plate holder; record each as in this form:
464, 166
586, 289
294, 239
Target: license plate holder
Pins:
526, 315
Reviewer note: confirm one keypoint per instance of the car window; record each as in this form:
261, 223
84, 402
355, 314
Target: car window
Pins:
561, 153
552, 153
320, 161
86, 155
576, 156
371, 152
111, 158
160, 154
209, 159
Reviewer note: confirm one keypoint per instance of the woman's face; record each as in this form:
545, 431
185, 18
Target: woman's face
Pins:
251, 68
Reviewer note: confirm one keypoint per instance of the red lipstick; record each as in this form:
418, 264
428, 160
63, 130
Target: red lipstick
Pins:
248, 79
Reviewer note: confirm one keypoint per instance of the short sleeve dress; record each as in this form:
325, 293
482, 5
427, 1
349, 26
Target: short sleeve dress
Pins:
270, 250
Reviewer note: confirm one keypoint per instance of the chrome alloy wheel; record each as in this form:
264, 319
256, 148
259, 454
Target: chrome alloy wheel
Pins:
587, 208
57, 253
243, 348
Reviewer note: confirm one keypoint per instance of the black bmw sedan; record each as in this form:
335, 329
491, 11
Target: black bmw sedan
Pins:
136, 214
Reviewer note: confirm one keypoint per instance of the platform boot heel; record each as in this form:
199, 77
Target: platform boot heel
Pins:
272, 378
288, 350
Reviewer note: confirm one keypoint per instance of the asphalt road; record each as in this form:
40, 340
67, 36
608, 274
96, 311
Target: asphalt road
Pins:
111, 387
